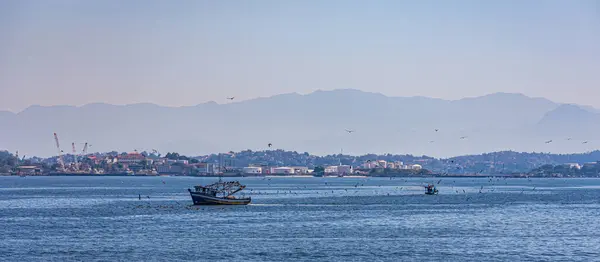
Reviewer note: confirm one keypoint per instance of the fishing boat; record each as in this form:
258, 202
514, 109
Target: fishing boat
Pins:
431, 190
220, 193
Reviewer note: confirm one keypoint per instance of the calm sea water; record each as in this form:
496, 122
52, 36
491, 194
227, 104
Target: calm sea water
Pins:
300, 219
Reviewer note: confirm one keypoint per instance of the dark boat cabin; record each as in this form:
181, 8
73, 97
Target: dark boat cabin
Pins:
431, 190
205, 191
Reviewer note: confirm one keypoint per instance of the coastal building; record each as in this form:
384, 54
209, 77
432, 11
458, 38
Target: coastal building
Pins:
416, 167
170, 170
382, 164
180, 161
30, 170
369, 165
339, 170
331, 170
300, 170
282, 170
589, 164
160, 161
252, 170
344, 170
102, 159
205, 168
130, 158
398, 164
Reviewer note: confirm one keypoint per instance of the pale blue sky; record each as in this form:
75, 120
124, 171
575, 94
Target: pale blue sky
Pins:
188, 52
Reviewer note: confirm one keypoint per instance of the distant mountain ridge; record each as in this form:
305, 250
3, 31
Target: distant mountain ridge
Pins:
349, 92
313, 122
571, 119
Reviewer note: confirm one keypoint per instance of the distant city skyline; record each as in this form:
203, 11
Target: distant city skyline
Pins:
184, 53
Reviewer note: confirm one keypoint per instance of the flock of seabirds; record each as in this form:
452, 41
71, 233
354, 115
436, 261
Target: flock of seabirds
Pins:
361, 189
430, 188
350, 131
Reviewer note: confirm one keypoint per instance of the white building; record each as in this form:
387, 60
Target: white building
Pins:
300, 170
398, 164
180, 161
344, 169
252, 170
283, 170
589, 164
416, 167
207, 168
161, 161
331, 170
382, 163
369, 165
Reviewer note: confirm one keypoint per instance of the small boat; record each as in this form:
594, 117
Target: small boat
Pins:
220, 193
431, 190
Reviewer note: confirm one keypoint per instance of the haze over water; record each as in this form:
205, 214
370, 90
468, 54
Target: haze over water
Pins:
300, 219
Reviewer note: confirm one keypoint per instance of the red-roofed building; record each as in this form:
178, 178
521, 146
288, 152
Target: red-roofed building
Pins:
130, 158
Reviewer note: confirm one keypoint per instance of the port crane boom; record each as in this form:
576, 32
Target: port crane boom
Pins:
60, 157
85, 148
75, 156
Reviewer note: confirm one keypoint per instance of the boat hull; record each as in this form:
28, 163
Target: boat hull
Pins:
432, 192
201, 199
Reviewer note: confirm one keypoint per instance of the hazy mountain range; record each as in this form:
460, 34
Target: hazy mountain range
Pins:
314, 123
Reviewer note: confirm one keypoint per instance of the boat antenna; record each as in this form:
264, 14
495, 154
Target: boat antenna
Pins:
221, 172
220, 166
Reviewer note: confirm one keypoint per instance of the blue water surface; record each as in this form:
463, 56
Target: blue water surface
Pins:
300, 219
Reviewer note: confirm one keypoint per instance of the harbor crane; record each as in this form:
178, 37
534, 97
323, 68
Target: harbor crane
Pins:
155, 152
85, 148
19, 160
60, 156
75, 156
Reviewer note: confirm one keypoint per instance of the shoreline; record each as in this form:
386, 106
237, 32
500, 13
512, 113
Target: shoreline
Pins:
290, 176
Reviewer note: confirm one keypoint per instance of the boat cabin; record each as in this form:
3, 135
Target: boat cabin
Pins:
431, 190
206, 191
